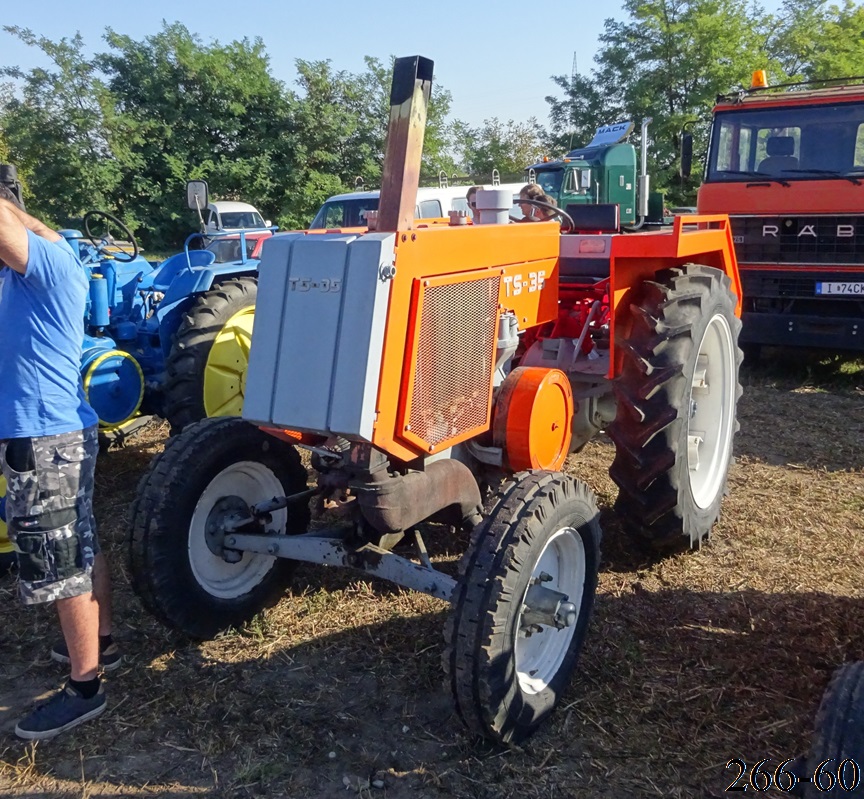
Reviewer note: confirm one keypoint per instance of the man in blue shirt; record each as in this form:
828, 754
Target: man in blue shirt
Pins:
48, 448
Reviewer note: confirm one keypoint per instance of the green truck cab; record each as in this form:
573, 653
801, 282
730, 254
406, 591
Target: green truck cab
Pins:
602, 172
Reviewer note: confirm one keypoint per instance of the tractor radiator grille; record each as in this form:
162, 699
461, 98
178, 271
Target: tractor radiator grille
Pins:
453, 360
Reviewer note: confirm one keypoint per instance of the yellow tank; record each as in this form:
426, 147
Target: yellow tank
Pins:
5, 543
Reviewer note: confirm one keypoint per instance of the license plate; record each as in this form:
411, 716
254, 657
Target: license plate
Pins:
855, 288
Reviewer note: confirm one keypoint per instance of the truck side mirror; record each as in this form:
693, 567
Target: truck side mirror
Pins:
197, 195
686, 154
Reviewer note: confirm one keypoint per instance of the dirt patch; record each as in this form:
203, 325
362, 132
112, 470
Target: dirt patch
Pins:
337, 691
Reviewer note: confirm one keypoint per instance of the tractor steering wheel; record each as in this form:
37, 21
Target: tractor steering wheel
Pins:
101, 243
567, 223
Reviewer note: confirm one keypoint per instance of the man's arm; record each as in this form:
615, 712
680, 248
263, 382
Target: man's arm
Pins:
14, 247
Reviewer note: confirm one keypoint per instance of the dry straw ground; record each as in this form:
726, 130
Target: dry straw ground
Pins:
691, 660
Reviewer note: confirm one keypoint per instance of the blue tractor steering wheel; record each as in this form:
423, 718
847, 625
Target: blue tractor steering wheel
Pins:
103, 242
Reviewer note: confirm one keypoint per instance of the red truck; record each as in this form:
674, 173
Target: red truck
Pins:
787, 164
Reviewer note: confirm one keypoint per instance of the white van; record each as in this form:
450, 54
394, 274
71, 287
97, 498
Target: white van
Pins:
232, 217
349, 210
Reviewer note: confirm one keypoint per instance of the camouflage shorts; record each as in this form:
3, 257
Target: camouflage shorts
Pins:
49, 508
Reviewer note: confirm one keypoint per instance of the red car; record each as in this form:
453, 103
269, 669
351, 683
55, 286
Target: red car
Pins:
227, 248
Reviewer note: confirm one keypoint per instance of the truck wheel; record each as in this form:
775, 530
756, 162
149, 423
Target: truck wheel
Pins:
173, 569
507, 670
677, 396
839, 736
208, 361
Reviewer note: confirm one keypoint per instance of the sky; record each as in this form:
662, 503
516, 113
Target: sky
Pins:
496, 59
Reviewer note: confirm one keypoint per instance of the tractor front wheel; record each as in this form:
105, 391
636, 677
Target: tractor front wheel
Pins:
677, 396
216, 467
522, 605
207, 364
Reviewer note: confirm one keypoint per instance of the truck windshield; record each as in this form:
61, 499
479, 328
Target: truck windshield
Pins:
550, 181
792, 143
344, 213
244, 219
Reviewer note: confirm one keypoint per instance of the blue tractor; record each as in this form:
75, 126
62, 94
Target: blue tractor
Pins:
169, 339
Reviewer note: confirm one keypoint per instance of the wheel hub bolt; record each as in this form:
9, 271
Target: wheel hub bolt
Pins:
529, 630
566, 615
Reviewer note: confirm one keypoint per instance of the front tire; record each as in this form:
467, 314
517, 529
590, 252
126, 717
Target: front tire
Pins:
677, 397
504, 683
208, 362
174, 572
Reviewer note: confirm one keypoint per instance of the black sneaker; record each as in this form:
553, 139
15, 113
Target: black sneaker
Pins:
109, 658
63, 711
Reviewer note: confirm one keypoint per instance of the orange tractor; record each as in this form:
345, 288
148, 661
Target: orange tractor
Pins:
442, 371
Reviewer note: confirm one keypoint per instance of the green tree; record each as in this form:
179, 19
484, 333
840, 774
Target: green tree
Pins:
667, 60
188, 110
576, 116
58, 131
341, 120
509, 147
811, 40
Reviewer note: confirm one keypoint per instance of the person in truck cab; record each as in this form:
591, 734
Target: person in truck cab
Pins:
531, 213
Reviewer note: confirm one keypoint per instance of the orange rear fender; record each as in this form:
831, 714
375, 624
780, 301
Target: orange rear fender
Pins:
637, 257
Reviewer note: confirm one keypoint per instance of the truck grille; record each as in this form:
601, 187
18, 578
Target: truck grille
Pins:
769, 285
830, 240
781, 292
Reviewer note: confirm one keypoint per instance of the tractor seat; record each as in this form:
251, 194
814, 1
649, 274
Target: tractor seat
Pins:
170, 267
585, 259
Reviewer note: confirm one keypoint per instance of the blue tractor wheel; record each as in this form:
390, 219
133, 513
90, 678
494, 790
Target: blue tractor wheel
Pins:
114, 386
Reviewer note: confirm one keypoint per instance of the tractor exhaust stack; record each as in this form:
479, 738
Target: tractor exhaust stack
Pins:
409, 100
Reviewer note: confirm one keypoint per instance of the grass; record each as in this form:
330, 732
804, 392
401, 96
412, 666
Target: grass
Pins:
691, 660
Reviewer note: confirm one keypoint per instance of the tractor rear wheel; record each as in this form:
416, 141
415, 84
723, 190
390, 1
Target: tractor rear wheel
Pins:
507, 666
839, 737
214, 465
677, 396
208, 361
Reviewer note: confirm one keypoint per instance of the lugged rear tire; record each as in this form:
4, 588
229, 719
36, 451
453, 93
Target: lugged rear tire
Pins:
187, 363
177, 578
839, 733
481, 659
681, 356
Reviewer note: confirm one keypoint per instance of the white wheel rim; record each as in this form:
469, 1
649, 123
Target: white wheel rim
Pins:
712, 412
253, 482
539, 658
